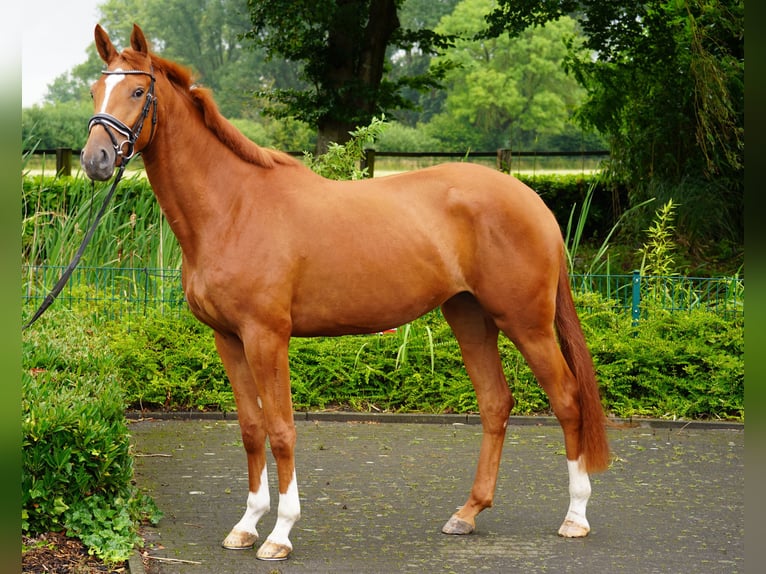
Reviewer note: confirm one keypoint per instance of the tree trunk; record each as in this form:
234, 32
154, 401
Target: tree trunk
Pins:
356, 56
332, 131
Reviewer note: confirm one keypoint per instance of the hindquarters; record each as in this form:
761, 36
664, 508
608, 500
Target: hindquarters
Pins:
547, 332
520, 279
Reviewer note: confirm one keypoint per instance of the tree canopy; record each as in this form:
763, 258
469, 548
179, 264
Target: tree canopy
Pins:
665, 82
342, 46
504, 92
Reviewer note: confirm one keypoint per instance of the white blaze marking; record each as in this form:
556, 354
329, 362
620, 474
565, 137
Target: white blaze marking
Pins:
257, 505
287, 515
579, 492
110, 82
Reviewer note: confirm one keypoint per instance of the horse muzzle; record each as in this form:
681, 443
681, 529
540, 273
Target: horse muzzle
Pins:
98, 160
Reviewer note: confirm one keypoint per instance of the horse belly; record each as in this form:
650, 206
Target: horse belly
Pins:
370, 300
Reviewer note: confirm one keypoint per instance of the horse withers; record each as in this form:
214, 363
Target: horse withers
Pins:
272, 250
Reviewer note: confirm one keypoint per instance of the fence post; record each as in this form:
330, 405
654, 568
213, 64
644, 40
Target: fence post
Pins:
504, 158
63, 161
635, 309
368, 161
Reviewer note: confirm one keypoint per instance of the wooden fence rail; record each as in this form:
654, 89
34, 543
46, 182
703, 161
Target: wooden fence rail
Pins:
502, 157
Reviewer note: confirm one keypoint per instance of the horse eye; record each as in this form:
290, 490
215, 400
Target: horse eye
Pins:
138, 93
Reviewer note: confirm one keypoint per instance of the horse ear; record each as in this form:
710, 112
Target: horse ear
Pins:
104, 45
138, 40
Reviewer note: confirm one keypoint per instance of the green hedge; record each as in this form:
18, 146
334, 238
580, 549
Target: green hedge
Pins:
672, 365
77, 468
56, 211
562, 193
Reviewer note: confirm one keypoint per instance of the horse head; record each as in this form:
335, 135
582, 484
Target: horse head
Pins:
123, 99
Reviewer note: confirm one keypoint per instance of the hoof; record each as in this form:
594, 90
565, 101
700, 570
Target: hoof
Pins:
572, 529
272, 551
240, 540
457, 525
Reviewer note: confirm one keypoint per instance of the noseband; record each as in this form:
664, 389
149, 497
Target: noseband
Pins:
112, 124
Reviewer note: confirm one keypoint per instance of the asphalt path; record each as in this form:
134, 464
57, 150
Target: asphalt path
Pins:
375, 494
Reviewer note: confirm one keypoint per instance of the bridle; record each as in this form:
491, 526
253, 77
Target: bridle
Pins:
131, 135
111, 125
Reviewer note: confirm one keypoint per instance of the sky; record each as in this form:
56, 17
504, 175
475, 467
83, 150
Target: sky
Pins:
55, 35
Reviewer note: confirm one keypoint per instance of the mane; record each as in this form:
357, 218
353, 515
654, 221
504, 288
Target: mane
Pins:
230, 136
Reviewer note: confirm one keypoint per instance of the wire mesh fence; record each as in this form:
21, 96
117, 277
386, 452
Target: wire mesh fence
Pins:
106, 292
119, 292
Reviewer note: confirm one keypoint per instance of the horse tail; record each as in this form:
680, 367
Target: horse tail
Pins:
594, 445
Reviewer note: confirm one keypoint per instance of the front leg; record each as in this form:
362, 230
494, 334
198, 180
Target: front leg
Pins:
267, 355
278, 545
253, 428
244, 535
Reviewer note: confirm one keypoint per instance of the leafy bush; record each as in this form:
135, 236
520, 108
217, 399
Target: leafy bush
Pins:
57, 125
76, 462
169, 363
343, 161
672, 365
562, 192
679, 365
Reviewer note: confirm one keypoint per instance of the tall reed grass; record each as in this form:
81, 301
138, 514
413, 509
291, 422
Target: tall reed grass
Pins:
57, 212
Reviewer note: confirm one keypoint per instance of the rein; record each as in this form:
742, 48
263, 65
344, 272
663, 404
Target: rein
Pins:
131, 136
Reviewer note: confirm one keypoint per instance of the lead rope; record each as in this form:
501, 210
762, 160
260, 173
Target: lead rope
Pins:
50, 297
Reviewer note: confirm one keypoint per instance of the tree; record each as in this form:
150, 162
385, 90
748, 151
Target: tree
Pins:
342, 45
506, 92
56, 125
418, 15
665, 82
206, 35
201, 34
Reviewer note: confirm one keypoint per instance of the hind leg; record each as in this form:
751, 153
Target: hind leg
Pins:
542, 353
477, 334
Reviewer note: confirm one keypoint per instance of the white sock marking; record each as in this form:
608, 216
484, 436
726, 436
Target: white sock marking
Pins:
288, 514
258, 504
579, 492
110, 82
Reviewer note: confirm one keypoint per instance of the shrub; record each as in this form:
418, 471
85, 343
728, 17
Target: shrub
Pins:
672, 365
76, 462
169, 362
562, 192
342, 162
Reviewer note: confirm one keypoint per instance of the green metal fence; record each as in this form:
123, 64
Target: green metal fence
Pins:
106, 292
111, 292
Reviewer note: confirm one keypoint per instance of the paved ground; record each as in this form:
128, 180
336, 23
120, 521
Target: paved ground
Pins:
375, 495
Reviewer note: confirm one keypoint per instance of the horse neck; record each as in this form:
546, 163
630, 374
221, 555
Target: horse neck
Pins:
190, 171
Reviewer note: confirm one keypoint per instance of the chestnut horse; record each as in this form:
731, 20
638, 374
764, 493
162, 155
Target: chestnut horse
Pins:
272, 250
